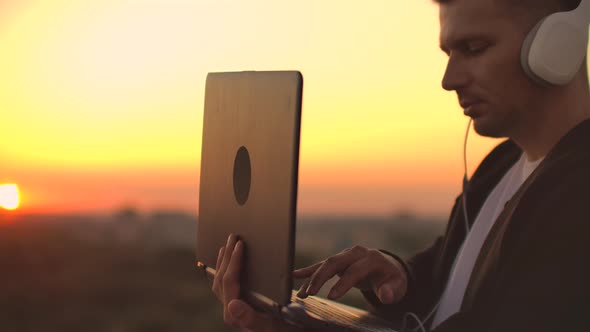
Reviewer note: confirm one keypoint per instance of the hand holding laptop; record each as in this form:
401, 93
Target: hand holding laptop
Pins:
226, 287
360, 267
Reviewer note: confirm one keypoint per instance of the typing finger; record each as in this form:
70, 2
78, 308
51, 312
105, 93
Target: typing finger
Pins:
302, 293
306, 272
354, 274
387, 283
330, 267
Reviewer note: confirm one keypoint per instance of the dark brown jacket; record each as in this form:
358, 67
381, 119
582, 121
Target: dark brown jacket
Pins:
533, 271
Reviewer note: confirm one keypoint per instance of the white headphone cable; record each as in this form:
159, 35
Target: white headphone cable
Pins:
465, 178
466, 221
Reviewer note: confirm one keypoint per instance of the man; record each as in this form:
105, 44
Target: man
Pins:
524, 264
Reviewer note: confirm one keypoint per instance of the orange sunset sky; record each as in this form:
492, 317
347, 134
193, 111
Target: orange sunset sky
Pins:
101, 102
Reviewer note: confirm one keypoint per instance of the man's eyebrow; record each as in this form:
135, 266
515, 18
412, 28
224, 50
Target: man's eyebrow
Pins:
461, 41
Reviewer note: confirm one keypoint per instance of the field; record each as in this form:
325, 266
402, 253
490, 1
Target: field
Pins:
129, 272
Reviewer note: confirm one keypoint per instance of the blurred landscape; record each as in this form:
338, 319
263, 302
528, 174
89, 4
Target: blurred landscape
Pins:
134, 272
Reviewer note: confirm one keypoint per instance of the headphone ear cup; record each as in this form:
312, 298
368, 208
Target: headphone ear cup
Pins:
554, 50
525, 51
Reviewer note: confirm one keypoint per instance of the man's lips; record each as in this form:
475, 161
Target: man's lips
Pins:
465, 103
468, 105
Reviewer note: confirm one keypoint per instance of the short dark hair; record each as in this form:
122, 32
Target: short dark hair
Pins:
548, 5
533, 9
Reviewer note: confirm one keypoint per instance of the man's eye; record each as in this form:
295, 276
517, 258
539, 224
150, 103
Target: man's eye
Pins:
475, 48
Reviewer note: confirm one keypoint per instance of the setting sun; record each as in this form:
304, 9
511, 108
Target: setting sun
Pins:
9, 197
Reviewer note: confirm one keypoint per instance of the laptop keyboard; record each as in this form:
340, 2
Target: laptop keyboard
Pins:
341, 317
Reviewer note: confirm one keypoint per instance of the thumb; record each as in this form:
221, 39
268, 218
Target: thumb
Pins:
244, 316
392, 290
386, 293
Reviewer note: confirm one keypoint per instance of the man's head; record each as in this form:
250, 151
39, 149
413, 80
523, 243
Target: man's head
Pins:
530, 11
483, 39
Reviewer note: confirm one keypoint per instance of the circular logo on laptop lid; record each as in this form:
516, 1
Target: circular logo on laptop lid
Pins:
242, 175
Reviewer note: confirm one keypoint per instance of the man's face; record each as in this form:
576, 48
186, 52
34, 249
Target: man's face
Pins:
483, 43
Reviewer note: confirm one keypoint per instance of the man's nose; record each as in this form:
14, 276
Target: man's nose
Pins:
456, 75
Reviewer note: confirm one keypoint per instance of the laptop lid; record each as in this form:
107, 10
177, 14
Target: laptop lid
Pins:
249, 168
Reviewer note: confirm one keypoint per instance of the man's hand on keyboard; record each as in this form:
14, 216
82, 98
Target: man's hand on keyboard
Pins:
367, 269
226, 287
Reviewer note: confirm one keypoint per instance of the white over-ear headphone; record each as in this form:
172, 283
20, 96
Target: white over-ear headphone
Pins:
553, 51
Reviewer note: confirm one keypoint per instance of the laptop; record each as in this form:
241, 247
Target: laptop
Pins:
248, 186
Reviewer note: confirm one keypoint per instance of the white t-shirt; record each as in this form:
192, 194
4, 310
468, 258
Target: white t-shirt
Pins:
452, 297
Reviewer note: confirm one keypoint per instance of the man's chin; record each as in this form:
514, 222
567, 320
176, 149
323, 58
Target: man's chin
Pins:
487, 128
